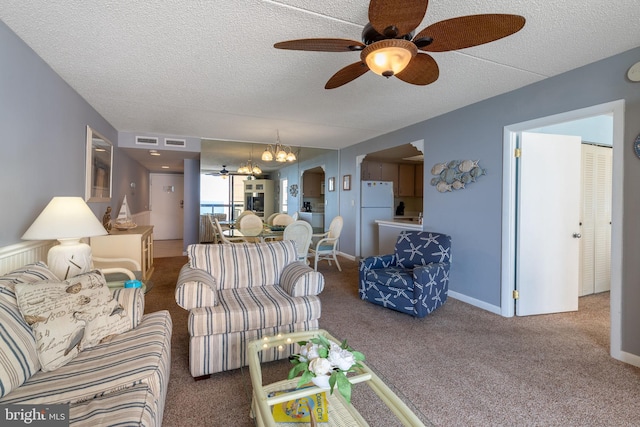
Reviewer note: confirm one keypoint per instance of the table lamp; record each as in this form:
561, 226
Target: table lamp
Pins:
67, 219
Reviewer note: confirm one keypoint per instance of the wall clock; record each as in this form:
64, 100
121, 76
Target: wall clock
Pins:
636, 146
634, 72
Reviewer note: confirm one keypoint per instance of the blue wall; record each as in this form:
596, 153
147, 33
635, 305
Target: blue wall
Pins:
473, 216
42, 154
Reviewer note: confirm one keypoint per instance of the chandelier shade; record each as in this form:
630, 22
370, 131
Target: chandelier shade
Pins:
278, 152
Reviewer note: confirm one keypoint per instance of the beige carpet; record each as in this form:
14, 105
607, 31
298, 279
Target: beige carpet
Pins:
460, 366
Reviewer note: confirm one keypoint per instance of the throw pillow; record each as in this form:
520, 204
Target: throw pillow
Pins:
18, 355
69, 316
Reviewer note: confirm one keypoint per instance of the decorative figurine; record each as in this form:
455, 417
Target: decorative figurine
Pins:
106, 220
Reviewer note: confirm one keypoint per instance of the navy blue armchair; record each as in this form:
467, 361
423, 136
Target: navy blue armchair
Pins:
414, 279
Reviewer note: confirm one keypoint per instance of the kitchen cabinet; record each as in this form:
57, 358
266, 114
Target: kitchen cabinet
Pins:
371, 171
419, 180
136, 243
406, 180
380, 171
312, 184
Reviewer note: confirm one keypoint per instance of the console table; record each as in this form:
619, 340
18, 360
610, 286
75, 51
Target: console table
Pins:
136, 243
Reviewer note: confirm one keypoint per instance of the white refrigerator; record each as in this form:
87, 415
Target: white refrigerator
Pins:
376, 203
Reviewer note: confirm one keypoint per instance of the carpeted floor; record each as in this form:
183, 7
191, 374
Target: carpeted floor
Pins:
460, 366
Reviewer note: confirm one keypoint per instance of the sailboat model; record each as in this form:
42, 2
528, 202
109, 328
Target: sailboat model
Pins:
124, 220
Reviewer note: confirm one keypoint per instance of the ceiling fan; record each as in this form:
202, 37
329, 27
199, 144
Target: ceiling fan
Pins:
389, 47
222, 172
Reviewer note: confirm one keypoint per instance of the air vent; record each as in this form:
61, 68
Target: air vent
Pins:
172, 142
146, 140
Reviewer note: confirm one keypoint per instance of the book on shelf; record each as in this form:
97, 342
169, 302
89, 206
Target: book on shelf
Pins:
300, 410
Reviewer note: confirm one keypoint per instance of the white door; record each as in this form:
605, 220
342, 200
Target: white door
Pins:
548, 246
167, 200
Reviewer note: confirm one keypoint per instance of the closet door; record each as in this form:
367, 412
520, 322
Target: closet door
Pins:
602, 226
595, 247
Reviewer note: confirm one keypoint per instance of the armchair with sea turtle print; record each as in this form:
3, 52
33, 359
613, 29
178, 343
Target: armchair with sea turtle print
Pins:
414, 279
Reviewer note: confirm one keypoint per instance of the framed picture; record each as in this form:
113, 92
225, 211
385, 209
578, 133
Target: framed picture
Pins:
98, 167
346, 182
332, 184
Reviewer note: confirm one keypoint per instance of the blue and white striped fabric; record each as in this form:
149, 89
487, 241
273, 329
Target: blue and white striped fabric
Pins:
298, 279
243, 265
252, 308
18, 355
140, 356
222, 352
195, 288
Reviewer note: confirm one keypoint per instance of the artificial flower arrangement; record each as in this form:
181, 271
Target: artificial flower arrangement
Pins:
320, 357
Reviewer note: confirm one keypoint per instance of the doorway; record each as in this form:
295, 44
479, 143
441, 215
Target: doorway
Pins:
509, 232
167, 203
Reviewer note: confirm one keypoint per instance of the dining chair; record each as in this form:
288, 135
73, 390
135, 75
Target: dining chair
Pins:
300, 232
271, 217
251, 226
295, 216
222, 238
282, 220
242, 214
325, 248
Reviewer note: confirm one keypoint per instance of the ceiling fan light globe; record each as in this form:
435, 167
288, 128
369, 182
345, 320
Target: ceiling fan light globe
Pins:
389, 57
281, 156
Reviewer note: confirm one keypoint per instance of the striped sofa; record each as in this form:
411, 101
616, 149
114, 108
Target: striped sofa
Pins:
121, 382
236, 293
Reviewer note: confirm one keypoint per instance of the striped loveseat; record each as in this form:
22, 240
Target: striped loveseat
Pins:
122, 381
236, 293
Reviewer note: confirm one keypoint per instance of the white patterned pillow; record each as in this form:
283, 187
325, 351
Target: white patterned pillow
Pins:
18, 355
69, 316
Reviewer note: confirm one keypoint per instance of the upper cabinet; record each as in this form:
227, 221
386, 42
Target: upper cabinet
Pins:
407, 178
312, 184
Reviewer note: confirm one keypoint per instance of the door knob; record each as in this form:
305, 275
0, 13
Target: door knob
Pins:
577, 235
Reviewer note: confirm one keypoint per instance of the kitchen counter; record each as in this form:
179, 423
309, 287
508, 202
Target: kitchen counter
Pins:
388, 232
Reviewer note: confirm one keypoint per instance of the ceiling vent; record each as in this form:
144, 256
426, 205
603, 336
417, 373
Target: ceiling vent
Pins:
172, 142
146, 140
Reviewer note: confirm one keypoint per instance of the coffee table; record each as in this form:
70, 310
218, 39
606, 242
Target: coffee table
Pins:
341, 413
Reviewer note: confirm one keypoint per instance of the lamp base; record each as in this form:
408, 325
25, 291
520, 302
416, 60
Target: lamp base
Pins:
69, 258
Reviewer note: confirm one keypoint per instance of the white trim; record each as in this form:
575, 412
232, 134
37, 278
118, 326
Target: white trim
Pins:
474, 302
15, 256
629, 358
347, 256
508, 209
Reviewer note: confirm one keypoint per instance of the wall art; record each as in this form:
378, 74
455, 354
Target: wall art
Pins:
455, 174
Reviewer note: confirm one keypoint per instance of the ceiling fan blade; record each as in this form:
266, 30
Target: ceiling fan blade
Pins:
404, 15
321, 45
347, 74
422, 70
468, 31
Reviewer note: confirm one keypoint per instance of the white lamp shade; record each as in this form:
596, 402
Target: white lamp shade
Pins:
65, 218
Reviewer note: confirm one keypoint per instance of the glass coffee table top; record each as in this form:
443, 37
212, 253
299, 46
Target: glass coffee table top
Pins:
374, 401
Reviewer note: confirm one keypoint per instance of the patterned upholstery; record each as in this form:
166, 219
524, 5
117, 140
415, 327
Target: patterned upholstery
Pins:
237, 293
121, 382
414, 279
131, 378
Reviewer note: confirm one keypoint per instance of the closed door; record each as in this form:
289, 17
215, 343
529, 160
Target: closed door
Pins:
167, 200
548, 246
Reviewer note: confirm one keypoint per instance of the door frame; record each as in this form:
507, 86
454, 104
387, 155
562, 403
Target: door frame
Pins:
508, 276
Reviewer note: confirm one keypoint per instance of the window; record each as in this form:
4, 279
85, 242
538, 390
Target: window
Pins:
284, 195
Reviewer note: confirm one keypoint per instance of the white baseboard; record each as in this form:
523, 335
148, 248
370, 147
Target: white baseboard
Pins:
475, 302
629, 358
347, 256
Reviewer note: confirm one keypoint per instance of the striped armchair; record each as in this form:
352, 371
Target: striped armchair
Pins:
241, 292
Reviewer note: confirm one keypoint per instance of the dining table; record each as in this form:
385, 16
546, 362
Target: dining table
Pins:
250, 234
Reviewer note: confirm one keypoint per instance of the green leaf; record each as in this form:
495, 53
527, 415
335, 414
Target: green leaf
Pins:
357, 355
300, 367
344, 387
305, 378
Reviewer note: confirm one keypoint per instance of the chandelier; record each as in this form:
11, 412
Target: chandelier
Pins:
250, 168
279, 153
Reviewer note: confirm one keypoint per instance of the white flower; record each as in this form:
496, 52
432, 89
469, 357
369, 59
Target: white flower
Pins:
320, 366
341, 358
308, 351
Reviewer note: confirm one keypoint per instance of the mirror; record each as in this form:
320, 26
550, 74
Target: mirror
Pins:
98, 167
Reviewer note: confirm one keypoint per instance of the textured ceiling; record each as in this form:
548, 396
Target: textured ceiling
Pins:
208, 68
